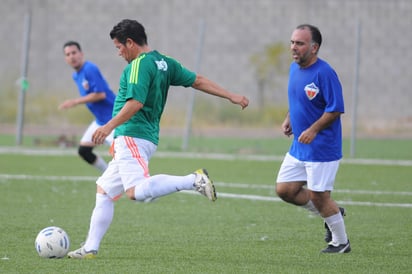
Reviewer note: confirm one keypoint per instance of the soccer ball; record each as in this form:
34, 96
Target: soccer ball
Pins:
52, 242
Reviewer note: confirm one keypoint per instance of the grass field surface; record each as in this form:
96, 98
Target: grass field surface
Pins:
247, 230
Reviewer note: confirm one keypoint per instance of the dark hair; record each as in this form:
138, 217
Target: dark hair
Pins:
72, 43
129, 29
316, 36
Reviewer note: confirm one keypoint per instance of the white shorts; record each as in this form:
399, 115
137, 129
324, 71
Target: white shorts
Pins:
129, 166
319, 176
87, 135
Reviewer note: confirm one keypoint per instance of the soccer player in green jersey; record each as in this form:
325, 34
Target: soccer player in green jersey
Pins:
138, 107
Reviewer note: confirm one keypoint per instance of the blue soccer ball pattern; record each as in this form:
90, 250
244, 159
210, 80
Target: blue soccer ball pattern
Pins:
52, 242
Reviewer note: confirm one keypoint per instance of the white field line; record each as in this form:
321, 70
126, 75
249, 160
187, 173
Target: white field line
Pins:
276, 199
274, 158
192, 155
229, 185
373, 192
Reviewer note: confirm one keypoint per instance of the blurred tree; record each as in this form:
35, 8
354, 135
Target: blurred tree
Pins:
269, 63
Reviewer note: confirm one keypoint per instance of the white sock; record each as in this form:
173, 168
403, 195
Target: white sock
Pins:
337, 227
161, 185
99, 222
100, 164
311, 207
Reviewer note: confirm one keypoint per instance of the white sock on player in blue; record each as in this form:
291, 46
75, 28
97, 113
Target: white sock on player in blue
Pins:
311, 207
336, 225
100, 164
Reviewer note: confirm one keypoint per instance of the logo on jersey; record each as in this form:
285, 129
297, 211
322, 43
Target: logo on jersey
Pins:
85, 84
161, 65
311, 91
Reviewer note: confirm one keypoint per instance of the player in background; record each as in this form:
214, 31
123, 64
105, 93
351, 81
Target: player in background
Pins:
315, 106
95, 94
139, 104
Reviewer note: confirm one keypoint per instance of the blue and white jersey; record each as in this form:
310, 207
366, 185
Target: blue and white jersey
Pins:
313, 91
89, 79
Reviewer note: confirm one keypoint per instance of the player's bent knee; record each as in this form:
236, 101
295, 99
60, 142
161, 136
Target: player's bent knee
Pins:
281, 190
140, 193
130, 193
87, 154
286, 192
100, 190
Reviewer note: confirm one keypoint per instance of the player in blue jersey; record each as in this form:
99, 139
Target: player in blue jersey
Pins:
96, 94
315, 106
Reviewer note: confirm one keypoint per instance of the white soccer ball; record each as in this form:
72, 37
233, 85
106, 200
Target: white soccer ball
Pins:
52, 242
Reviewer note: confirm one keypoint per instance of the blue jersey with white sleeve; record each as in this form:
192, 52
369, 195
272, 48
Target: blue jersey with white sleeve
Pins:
89, 79
313, 91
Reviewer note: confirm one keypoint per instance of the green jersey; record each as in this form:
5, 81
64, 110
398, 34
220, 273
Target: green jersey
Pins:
147, 79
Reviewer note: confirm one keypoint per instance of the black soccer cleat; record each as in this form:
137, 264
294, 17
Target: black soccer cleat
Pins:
344, 248
328, 233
